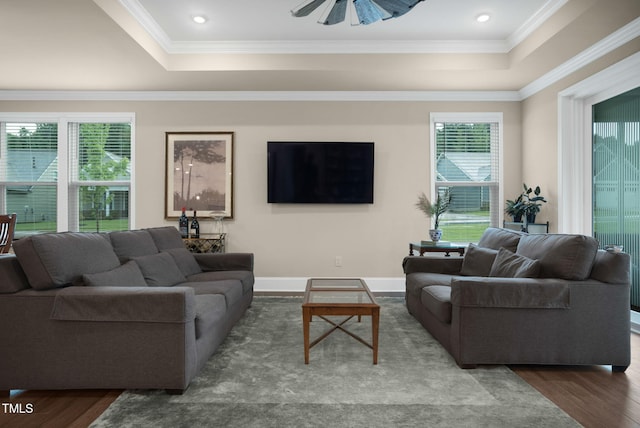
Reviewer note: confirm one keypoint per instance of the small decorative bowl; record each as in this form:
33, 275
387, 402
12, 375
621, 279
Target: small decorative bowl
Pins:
612, 248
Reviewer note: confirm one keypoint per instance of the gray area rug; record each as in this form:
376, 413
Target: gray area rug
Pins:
258, 379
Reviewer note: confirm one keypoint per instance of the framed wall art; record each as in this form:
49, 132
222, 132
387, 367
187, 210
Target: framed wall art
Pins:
199, 174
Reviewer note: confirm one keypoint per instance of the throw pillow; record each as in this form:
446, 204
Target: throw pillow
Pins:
511, 265
185, 260
478, 261
126, 275
160, 269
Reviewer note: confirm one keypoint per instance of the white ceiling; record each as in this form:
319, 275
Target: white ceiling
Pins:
242, 23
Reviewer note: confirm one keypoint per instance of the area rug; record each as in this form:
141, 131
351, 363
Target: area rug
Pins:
258, 379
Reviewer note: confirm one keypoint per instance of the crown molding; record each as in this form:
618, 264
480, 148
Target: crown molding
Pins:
312, 47
382, 96
589, 55
534, 22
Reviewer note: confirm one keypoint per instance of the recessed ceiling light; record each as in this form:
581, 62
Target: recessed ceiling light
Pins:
199, 19
484, 17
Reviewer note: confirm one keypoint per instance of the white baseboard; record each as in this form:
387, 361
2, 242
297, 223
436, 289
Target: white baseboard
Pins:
297, 285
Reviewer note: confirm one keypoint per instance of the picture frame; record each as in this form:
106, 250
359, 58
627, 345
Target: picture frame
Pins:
199, 174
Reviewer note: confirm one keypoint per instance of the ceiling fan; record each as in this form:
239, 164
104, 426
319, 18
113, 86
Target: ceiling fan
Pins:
366, 11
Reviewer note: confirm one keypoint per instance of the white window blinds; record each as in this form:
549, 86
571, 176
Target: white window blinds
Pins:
466, 162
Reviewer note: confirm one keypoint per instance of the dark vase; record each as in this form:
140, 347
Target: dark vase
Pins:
517, 218
531, 218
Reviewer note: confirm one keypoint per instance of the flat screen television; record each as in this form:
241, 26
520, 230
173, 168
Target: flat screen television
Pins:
320, 172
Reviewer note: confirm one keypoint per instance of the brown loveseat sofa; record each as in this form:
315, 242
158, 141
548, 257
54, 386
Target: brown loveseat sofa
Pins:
525, 299
123, 310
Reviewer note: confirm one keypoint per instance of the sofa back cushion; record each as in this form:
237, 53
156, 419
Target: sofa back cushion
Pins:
561, 256
58, 259
497, 238
166, 237
132, 243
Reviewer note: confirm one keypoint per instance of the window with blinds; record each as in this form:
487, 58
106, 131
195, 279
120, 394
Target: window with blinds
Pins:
29, 174
69, 172
616, 178
100, 176
466, 162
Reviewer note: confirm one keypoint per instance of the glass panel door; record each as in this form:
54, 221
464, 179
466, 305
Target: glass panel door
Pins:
616, 178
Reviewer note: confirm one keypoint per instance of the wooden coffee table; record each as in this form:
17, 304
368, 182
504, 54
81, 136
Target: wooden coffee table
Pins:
348, 297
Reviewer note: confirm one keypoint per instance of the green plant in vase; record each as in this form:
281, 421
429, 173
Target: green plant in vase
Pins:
526, 206
435, 210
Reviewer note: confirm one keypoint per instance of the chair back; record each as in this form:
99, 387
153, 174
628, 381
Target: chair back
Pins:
7, 226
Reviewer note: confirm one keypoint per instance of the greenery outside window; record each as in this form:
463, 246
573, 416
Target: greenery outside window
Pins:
69, 172
466, 161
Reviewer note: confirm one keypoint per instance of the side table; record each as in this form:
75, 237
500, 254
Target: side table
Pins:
206, 243
436, 248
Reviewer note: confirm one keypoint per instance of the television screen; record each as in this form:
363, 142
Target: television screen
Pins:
320, 172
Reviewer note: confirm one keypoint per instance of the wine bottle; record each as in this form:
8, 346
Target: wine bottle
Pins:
195, 226
183, 222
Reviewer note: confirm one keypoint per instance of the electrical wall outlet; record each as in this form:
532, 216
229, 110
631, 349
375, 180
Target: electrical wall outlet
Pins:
338, 261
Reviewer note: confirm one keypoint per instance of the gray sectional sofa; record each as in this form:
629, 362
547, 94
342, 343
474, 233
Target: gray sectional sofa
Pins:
526, 299
122, 310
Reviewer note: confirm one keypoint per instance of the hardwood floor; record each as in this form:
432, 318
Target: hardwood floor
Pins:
594, 396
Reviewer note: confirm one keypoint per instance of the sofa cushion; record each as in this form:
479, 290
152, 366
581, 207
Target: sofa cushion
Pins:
437, 300
126, 275
511, 265
561, 256
160, 269
416, 281
132, 243
497, 238
166, 237
185, 260
245, 276
477, 261
54, 260
231, 289
210, 311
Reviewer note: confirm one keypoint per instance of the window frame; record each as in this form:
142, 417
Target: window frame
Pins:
66, 220
496, 215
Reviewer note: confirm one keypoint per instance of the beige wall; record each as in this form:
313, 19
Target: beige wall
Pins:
540, 131
303, 240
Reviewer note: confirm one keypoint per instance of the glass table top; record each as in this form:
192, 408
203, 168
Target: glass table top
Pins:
350, 283
338, 291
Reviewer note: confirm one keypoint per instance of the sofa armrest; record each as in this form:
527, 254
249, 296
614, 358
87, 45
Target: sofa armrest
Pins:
449, 266
125, 304
225, 261
491, 292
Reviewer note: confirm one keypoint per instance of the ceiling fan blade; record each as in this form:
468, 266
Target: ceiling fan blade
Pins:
337, 13
369, 12
396, 7
306, 7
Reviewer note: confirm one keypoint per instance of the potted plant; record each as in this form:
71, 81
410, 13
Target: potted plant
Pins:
435, 210
515, 209
526, 206
532, 203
